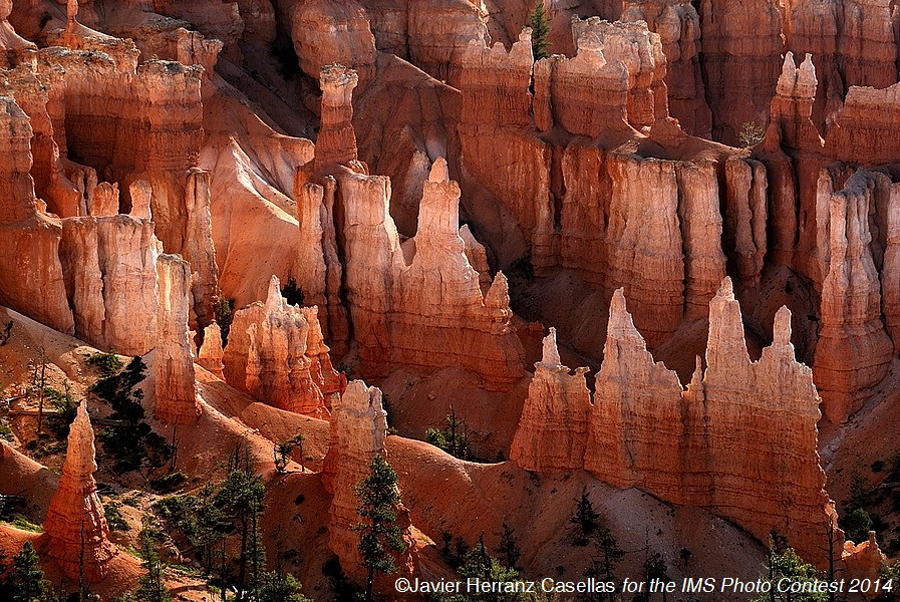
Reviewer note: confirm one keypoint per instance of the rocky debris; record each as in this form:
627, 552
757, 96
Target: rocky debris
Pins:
176, 390
552, 431
76, 525
854, 351
266, 355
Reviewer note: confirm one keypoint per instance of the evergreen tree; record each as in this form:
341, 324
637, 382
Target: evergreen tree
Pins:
241, 496
539, 23
655, 568
585, 519
275, 587
508, 549
27, 583
477, 563
378, 497
782, 562
453, 438
150, 586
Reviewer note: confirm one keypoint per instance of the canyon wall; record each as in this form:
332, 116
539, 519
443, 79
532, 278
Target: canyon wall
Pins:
707, 445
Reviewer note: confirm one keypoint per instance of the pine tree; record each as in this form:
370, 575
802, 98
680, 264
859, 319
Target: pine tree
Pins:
378, 497
540, 29
585, 519
276, 587
477, 563
783, 563
508, 549
241, 495
27, 580
151, 587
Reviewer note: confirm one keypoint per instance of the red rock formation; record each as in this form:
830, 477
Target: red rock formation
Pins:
318, 269
211, 352
632, 423
641, 52
266, 355
11, 44
198, 249
592, 94
678, 26
747, 216
742, 50
864, 561
336, 142
29, 242
711, 444
358, 430
176, 390
332, 32
552, 431
853, 42
430, 313
853, 352
890, 271
328, 380
76, 525
110, 267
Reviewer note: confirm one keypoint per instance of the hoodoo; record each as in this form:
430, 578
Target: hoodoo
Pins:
76, 525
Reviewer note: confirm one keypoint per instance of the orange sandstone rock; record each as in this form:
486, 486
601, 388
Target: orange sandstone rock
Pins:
266, 355
854, 351
176, 390
552, 431
211, 352
429, 313
358, 430
76, 525
710, 444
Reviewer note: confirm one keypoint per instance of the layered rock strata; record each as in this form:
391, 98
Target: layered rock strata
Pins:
29, 241
553, 428
430, 312
176, 389
707, 445
358, 430
678, 25
76, 525
854, 351
110, 267
211, 353
267, 355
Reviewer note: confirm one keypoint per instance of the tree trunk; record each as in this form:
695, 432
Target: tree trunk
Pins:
242, 567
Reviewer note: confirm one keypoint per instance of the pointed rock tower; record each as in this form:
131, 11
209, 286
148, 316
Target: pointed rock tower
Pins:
76, 525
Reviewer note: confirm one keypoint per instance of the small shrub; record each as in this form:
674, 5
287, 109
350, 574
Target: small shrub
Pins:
25, 525
6, 433
114, 518
107, 364
168, 483
751, 134
878, 466
66, 409
224, 316
6, 333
